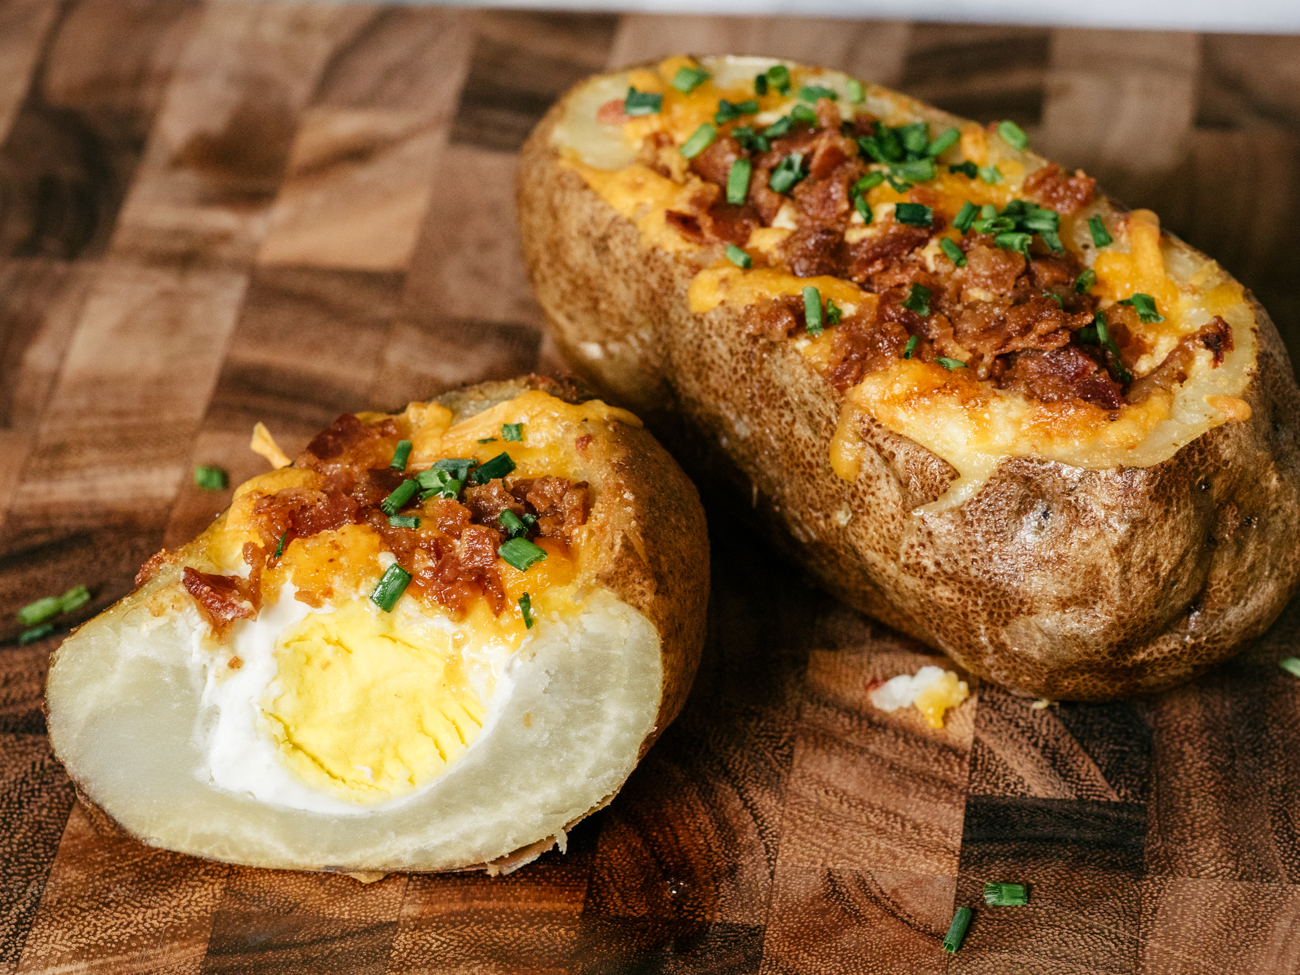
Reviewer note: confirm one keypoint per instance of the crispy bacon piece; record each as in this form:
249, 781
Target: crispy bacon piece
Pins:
815, 251
1064, 194
349, 443
874, 254
222, 599
1215, 336
860, 346
1063, 374
560, 505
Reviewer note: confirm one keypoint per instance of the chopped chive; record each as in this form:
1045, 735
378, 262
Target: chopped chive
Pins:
729, 112
944, 142
403, 493
1014, 242
514, 432
867, 183
1085, 282
35, 633
738, 182
802, 113
787, 173
526, 604
521, 553
488, 440
812, 311
211, 478
834, 313
957, 930
993, 225
857, 94
279, 546
1098, 229
965, 216
1145, 306
918, 300
441, 484
1054, 297
1013, 135
401, 455
1005, 895
1053, 242
811, 93
40, 611
404, 521
750, 140
918, 170
864, 209
899, 185
699, 140
991, 175
778, 128
1039, 219
390, 587
910, 348
950, 363
913, 138
760, 85
686, 80
738, 257
913, 214
642, 102
512, 523
498, 466
953, 251
967, 169
779, 76
73, 599
457, 467
1291, 665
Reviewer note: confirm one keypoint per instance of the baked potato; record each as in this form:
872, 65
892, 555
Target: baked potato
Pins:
435, 641
976, 399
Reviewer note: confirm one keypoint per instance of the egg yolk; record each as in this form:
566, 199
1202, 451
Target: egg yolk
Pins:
368, 709
945, 693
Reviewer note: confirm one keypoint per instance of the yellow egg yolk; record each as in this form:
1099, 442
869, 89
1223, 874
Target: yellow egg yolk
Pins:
945, 693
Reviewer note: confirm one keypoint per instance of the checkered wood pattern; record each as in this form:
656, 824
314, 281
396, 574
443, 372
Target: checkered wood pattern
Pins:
213, 213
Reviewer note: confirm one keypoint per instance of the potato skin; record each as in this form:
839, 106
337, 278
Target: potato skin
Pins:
1054, 581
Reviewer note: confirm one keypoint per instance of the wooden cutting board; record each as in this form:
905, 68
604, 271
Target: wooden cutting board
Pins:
218, 213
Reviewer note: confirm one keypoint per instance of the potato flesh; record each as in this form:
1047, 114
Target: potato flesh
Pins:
124, 694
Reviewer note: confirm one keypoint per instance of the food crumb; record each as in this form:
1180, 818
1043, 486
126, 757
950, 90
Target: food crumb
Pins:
932, 690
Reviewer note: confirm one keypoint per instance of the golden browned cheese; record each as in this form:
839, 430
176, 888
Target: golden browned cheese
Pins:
1065, 549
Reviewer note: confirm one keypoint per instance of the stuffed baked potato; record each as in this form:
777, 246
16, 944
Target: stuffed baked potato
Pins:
435, 641
980, 402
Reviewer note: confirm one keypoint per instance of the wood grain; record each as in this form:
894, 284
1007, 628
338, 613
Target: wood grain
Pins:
214, 213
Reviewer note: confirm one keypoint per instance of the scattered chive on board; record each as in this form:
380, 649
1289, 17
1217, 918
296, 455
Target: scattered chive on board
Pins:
35, 633
1005, 895
211, 478
957, 930
1291, 665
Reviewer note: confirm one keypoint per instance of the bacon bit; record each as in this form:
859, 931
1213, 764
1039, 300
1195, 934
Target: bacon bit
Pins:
349, 443
815, 251
151, 566
235, 663
580, 444
1064, 374
1064, 194
222, 599
1217, 337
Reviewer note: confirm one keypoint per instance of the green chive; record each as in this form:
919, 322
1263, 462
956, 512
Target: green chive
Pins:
699, 141
40, 611
390, 587
918, 300
913, 214
965, 216
915, 138
950, 363
787, 172
457, 467
279, 546
1291, 665
991, 175
1085, 282
1098, 228
749, 140
957, 930
899, 185
953, 251
912, 343
521, 553
642, 102
73, 599
401, 455
404, 521
35, 633
856, 93
403, 493
439, 483
945, 141
1055, 298
778, 128
1005, 895
834, 313
498, 466
1014, 242
729, 112
812, 311
211, 478
811, 93
867, 183
967, 169
864, 209
760, 85
1013, 135
526, 604
686, 80
512, 523
802, 113
738, 257
488, 440
779, 76
1052, 241
738, 182
1145, 306
514, 432
918, 170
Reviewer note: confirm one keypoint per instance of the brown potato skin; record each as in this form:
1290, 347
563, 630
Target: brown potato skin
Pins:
1054, 581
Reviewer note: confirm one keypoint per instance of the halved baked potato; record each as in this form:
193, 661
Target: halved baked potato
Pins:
436, 641
978, 400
